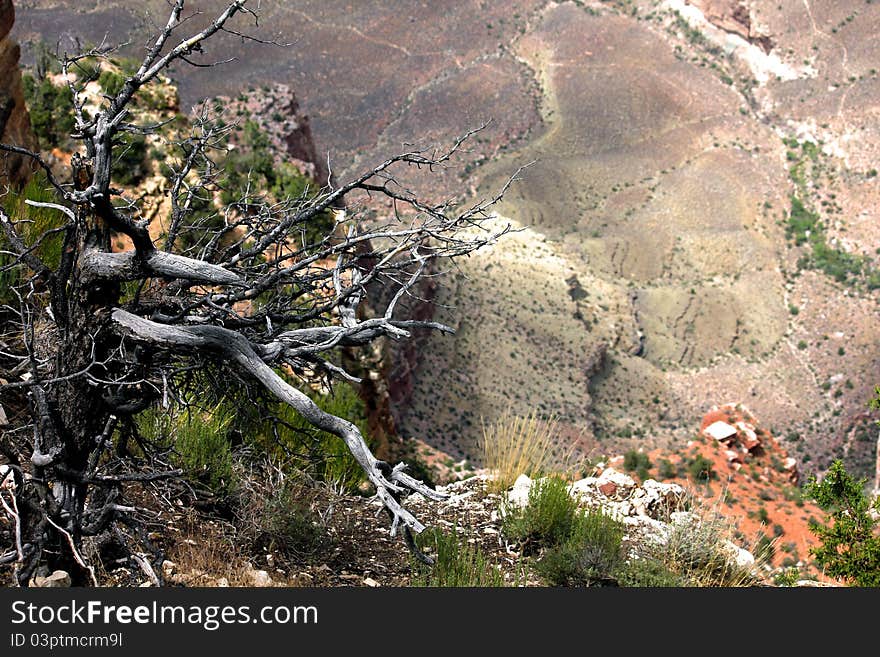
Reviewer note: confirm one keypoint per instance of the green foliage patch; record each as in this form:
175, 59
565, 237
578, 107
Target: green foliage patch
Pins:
850, 545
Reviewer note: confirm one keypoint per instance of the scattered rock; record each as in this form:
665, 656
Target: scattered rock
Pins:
624, 485
659, 500
58, 580
642, 530
585, 488
812, 583
369, 581
168, 568
259, 578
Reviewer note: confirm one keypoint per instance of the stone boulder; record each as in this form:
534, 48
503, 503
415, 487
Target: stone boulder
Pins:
57, 580
615, 485
658, 500
519, 494
739, 556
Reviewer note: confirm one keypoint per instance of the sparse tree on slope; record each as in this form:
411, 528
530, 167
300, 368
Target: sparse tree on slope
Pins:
850, 547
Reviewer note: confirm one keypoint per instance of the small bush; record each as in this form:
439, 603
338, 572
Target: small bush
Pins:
700, 468
591, 555
203, 449
111, 82
697, 552
31, 223
289, 524
648, 573
457, 563
323, 456
199, 441
546, 520
639, 462
787, 577
666, 469
50, 110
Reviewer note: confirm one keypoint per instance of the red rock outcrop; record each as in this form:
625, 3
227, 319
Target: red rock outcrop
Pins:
735, 17
15, 125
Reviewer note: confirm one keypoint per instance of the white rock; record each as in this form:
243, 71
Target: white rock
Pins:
223, 583
260, 578
519, 494
646, 531
720, 431
658, 500
619, 479
587, 486
739, 556
369, 581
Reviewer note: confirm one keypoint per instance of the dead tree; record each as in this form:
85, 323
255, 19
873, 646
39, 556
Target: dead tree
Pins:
252, 296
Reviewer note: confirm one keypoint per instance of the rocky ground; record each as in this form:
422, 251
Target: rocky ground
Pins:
753, 490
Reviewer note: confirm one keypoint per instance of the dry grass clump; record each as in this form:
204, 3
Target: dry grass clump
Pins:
205, 562
699, 550
515, 445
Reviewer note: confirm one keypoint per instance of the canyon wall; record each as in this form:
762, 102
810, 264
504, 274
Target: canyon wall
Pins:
15, 127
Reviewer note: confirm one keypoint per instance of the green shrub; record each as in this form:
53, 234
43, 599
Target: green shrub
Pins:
289, 525
321, 455
700, 468
787, 577
637, 461
203, 448
648, 573
666, 469
111, 82
547, 519
252, 160
51, 111
200, 443
457, 563
591, 554
850, 546
31, 223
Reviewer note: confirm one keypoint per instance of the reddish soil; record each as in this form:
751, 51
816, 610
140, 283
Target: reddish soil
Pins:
755, 489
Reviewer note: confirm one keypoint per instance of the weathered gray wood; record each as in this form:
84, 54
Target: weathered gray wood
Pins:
129, 266
242, 354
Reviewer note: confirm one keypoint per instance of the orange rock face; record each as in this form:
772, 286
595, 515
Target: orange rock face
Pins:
15, 125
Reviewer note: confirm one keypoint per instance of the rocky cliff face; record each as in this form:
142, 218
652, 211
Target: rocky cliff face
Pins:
276, 110
15, 126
